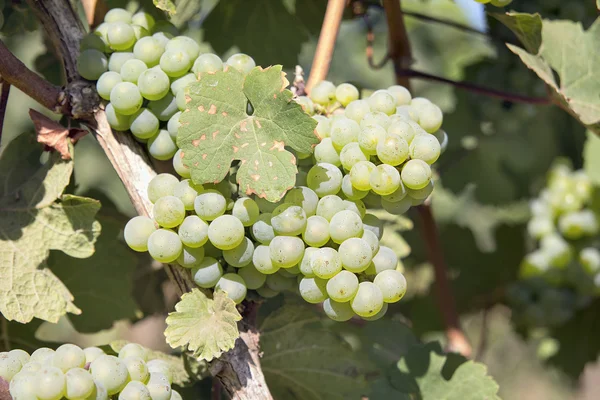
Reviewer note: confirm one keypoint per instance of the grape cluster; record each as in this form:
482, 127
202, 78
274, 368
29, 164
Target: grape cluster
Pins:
142, 76
86, 374
565, 266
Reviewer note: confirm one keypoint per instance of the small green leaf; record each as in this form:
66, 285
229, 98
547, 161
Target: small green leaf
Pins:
205, 326
591, 156
216, 130
306, 362
527, 27
166, 5
37, 218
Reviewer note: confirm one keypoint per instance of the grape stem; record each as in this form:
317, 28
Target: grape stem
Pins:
3, 102
326, 44
398, 45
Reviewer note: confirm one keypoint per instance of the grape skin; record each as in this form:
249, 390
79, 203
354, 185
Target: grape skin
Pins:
110, 372
325, 262
340, 312
313, 290
368, 300
137, 231
356, 253
392, 285
207, 273
226, 232
164, 245
343, 286
234, 286
324, 179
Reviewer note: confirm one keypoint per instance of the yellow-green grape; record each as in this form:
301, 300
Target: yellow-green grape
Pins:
169, 211
346, 93
144, 20
193, 231
234, 286
360, 175
137, 231
426, 148
325, 262
356, 253
368, 300
416, 174
343, 286
338, 311
343, 131
323, 93
344, 225
369, 137
402, 129
384, 179
91, 64
261, 259
392, 285
376, 118
316, 233
313, 290
121, 36
393, 150
111, 372
116, 60
242, 62
161, 146
306, 104
323, 126
382, 101
246, 210
241, 255
402, 95
207, 273
117, 15
421, 194
325, 152
379, 315
357, 109
286, 251
125, 97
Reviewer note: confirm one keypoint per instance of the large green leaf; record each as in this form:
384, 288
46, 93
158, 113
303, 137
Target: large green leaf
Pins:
286, 24
204, 326
216, 130
36, 218
102, 284
305, 362
574, 55
527, 27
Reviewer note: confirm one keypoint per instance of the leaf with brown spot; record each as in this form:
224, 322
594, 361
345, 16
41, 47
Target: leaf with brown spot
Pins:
228, 133
53, 135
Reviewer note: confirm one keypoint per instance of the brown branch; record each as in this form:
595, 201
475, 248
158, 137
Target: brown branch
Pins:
3, 103
472, 87
483, 335
399, 46
326, 44
457, 340
95, 10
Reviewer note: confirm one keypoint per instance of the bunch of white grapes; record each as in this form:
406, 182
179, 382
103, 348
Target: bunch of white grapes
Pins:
313, 242
86, 374
383, 145
142, 68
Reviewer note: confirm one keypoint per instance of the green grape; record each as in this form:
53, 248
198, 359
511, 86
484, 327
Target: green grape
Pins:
398, 195
79, 384
286, 251
304, 197
144, 20
442, 138
181, 100
10, 365
288, 219
352, 154
226, 232
110, 372
135, 391
253, 278
149, 50
343, 286
384, 260
187, 191
382, 101
266, 292
50, 383
589, 258
426, 148
173, 125
68, 356
121, 36
181, 83
262, 230
360, 175
207, 273
421, 194
356, 253
557, 249
357, 109
306, 104
161, 367
393, 150
190, 257
304, 265
261, 259
242, 62
350, 191
161, 185
207, 62
313, 290
392, 285
577, 224
133, 350
340, 312
106, 82
344, 225
346, 93
328, 206
91, 64
164, 246
280, 283
175, 63
117, 120
385, 179
323, 128
323, 93
23, 386
193, 231
343, 131
144, 124
356, 206
154, 85
246, 210
93, 41
430, 115
325, 262
241, 255
116, 60
178, 165
369, 137
126, 98
325, 153
374, 224
324, 179
398, 207
42, 355
368, 300
401, 94
316, 233
139, 32
416, 174
20, 355
379, 315
162, 146
137, 231
402, 129
376, 118
210, 204
234, 286
372, 240
117, 15
159, 386
132, 69
164, 108
186, 44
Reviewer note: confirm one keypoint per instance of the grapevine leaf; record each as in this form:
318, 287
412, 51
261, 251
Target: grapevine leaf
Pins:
207, 327
53, 135
102, 285
573, 54
426, 373
287, 23
216, 130
527, 27
165, 5
305, 362
36, 218
176, 364
591, 156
